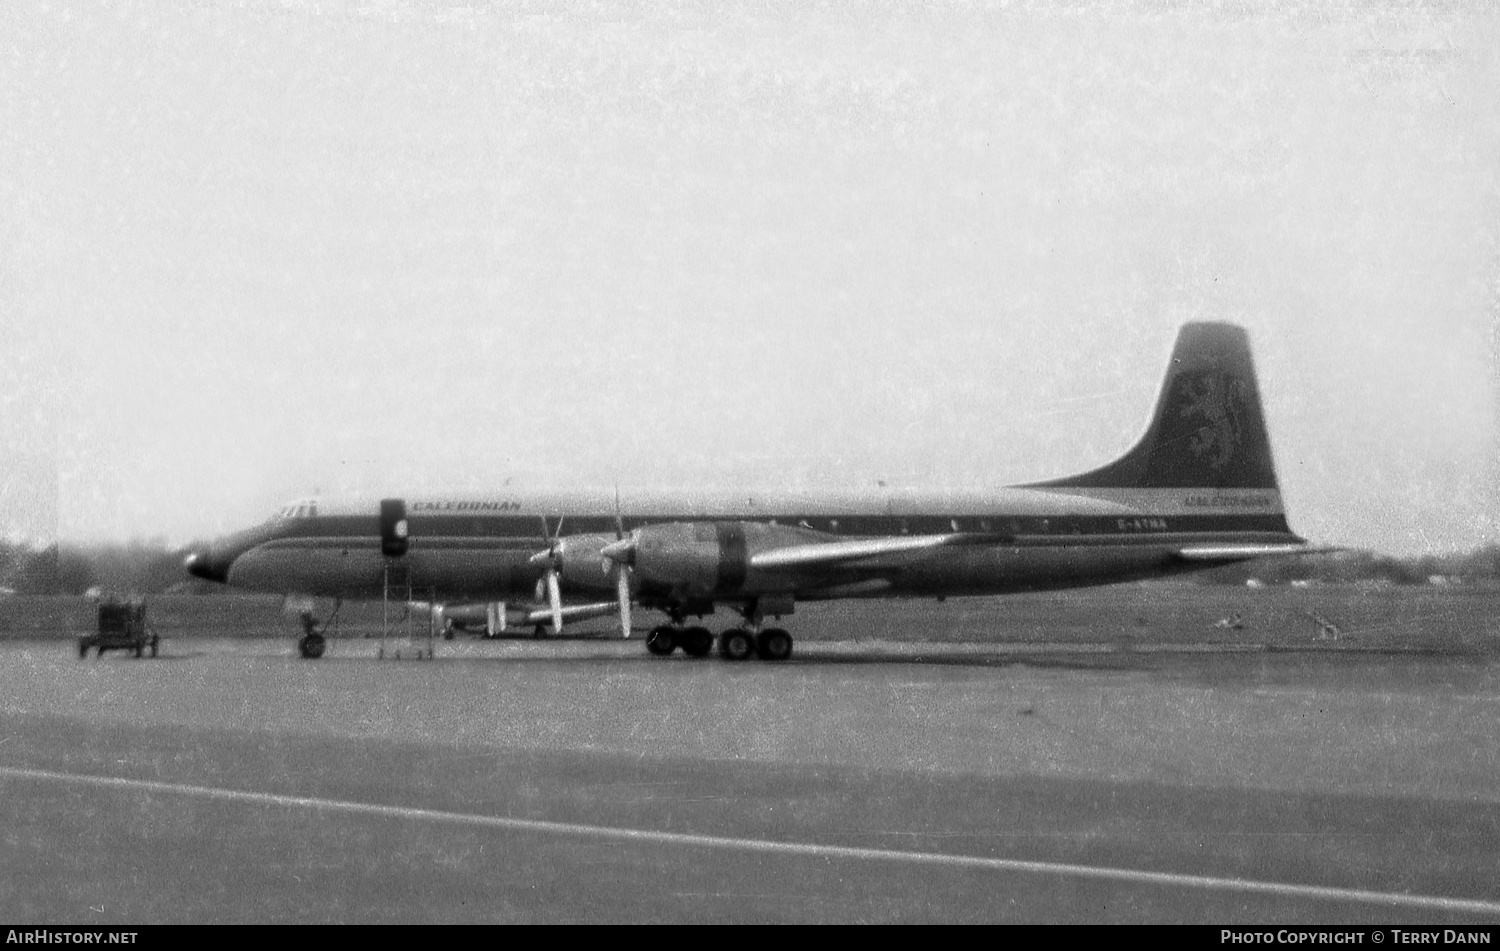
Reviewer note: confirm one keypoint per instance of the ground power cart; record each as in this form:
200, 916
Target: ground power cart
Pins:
122, 626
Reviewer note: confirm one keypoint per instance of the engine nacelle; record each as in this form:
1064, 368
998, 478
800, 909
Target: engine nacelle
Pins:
490, 619
580, 563
692, 558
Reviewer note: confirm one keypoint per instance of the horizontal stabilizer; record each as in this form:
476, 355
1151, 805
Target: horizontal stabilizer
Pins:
830, 553
1231, 553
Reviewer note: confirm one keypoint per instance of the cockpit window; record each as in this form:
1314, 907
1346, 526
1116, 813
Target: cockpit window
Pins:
307, 508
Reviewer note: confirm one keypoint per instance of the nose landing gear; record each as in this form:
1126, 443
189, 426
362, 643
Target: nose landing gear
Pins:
312, 643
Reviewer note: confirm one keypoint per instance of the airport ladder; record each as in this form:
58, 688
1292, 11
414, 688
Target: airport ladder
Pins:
399, 636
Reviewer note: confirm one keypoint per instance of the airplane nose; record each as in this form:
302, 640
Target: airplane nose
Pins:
202, 564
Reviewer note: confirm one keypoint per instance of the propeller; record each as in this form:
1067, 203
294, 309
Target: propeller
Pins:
620, 556
552, 558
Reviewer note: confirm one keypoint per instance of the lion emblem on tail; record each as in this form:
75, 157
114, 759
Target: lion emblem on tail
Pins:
1215, 401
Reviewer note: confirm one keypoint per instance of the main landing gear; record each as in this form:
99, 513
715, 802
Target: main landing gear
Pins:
737, 643
694, 641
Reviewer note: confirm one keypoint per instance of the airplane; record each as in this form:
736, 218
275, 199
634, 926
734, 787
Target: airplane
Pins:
1198, 490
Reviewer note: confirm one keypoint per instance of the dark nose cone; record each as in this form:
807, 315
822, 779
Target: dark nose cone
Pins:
203, 564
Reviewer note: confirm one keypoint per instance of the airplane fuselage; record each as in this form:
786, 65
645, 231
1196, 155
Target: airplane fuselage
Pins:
1022, 539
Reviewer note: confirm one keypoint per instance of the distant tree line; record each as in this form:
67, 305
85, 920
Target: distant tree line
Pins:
135, 567
1480, 565
143, 567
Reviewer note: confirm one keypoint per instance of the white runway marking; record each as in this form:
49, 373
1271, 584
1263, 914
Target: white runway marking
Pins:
1282, 889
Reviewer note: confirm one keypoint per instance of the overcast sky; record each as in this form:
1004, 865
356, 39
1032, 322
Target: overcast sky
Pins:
252, 252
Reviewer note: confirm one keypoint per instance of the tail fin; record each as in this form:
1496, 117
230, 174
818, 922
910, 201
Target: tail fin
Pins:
1208, 431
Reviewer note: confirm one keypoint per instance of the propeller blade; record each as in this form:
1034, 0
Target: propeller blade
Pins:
554, 597
552, 559
622, 590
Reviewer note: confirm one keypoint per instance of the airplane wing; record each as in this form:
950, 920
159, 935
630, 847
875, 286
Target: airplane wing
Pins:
833, 553
523, 615
572, 612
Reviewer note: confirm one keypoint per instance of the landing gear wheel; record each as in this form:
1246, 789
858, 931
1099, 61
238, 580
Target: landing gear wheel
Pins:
736, 644
773, 644
312, 646
661, 641
697, 642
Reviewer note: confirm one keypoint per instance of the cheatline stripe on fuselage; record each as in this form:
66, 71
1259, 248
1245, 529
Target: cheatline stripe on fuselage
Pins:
1159, 501
863, 526
531, 546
